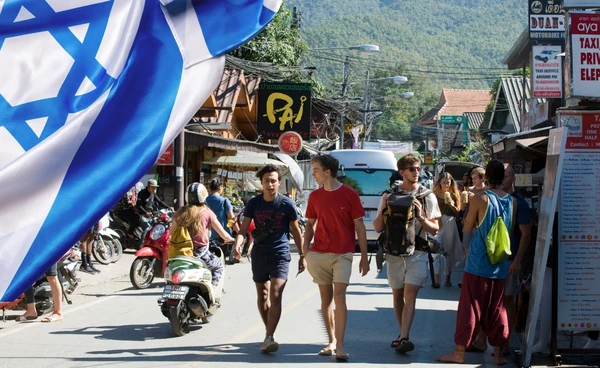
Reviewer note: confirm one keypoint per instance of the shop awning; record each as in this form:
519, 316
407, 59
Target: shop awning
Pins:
528, 142
207, 140
243, 161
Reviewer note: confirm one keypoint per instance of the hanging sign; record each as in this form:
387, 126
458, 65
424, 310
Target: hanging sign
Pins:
290, 143
284, 107
585, 58
546, 20
547, 72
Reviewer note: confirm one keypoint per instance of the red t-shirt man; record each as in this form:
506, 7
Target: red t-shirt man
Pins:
335, 212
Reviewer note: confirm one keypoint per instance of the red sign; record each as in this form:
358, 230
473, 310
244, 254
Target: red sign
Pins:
583, 129
290, 143
167, 157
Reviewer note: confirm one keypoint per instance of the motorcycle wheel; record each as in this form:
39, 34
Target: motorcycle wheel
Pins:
178, 316
139, 268
102, 251
117, 249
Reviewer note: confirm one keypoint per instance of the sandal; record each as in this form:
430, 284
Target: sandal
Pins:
396, 342
52, 318
326, 351
435, 286
448, 283
25, 318
342, 356
474, 349
405, 346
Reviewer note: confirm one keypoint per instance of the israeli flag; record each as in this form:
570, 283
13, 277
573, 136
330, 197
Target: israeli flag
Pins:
91, 93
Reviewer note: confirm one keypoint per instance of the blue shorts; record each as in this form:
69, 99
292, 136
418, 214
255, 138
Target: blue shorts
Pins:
267, 266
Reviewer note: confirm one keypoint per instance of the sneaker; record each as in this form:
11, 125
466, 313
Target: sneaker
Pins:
269, 345
405, 346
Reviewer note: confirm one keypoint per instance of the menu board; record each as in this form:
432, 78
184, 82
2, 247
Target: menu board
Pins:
579, 225
552, 181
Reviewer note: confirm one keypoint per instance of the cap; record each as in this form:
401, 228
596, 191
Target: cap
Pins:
152, 183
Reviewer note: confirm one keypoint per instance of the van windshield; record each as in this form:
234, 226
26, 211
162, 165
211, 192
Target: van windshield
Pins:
369, 182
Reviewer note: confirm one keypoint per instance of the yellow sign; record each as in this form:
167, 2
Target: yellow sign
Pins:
287, 115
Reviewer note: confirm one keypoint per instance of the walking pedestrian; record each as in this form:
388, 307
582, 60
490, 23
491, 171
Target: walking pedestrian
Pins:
335, 215
274, 216
481, 303
407, 274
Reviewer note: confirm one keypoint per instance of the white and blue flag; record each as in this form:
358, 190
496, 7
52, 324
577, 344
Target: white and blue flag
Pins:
91, 93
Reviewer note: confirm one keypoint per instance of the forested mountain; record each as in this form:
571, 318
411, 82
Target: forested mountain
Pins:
435, 43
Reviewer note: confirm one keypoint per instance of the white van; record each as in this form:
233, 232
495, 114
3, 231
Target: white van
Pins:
368, 172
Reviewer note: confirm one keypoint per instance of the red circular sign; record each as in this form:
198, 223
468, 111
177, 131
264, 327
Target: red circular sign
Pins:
290, 143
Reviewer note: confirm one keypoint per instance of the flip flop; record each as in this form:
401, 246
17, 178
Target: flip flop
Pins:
25, 319
50, 319
448, 283
342, 357
326, 351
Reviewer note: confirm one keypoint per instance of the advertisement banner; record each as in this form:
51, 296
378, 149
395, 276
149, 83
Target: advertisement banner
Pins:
284, 107
579, 229
167, 157
585, 57
581, 4
547, 72
546, 20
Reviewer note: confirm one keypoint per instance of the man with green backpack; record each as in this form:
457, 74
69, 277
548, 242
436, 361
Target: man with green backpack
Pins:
481, 303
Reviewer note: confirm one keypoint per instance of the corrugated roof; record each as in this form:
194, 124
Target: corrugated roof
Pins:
509, 97
475, 119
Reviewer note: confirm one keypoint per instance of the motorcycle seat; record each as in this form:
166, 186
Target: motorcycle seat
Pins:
193, 260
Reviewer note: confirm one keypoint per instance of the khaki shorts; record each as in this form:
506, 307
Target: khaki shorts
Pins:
407, 270
327, 268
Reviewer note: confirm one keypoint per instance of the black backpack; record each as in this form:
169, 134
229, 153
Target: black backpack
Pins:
398, 237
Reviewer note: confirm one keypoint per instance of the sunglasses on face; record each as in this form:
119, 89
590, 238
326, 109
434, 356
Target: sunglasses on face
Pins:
413, 168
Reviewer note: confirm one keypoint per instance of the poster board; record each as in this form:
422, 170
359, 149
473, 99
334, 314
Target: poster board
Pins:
579, 229
552, 175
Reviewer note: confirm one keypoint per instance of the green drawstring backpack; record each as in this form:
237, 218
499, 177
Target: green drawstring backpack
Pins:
497, 241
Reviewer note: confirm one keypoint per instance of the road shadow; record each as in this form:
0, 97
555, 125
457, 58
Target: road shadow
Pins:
128, 332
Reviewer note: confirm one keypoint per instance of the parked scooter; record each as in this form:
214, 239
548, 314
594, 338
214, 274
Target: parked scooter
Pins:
151, 259
67, 277
189, 294
110, 238
130, 238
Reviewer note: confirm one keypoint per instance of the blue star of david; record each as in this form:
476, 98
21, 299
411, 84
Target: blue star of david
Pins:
56, 109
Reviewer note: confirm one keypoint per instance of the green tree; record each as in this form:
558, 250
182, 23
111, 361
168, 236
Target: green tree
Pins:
279, 43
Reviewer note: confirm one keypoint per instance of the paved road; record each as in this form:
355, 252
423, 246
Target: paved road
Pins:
110, 323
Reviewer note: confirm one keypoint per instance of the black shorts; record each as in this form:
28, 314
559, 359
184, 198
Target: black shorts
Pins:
267, 266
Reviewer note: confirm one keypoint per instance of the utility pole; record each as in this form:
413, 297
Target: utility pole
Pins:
179, 160
365, 109
344, 91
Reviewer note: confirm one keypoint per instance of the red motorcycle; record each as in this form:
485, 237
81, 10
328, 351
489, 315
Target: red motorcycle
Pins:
151, 258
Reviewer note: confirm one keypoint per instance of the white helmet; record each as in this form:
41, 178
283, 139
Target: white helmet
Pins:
196, 193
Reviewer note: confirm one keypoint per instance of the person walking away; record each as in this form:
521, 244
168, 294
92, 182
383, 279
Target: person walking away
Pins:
334, 215
481, 303
31, 313
519, 243
448, 198
199, 219
407, 274
221, 206
274, 216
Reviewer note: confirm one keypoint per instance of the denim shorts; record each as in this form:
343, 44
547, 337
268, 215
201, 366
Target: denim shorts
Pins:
267, 266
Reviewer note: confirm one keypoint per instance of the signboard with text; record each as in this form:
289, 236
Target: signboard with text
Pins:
579, 228
284, 107
167, 157
585, 56
547, 72
546, 20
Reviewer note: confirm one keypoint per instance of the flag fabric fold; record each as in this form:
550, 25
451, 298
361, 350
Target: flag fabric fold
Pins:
91, 93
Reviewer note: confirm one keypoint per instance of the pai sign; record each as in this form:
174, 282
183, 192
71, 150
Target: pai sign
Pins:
284, 107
